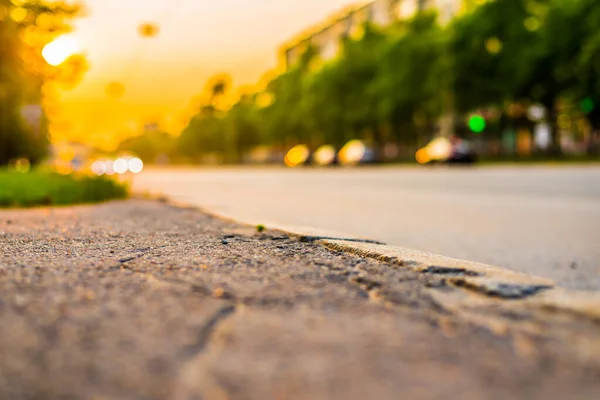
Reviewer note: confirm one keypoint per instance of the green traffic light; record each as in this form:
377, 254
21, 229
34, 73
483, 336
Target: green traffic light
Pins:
477, 123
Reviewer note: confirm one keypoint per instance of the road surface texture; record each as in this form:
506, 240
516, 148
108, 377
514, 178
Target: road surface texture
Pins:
543, 221
142, 300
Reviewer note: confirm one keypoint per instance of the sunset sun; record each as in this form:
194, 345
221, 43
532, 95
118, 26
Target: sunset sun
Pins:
57, 51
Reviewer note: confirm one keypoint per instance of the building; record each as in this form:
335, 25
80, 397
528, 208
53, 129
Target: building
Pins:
327, 36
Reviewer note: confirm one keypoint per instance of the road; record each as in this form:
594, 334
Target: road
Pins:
540, 220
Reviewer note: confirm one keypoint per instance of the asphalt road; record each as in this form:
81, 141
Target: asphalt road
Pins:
540, 220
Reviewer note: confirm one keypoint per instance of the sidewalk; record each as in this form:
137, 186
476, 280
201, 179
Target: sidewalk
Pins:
143, 300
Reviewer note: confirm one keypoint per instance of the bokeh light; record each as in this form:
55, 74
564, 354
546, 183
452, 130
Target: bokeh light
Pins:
422, 157
18, 14
135, 165
532, 24
536, 112
439, 149
587, 105
57, 51
477, 123
325, 155
353, 152
493, 45
110, 170
98, 168
120, 166
564, 121
297, 155
148, 30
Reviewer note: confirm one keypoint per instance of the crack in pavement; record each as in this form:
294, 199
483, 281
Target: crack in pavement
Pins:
141, 253
311, 239
206, 332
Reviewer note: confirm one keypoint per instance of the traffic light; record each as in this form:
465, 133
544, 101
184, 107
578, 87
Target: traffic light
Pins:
477, 123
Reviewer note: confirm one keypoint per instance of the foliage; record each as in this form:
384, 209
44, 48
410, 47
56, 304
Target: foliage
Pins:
39, 188
151, 146
393, 85
24, 75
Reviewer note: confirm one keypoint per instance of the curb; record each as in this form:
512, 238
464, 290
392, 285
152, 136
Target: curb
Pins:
479, 283
476, 284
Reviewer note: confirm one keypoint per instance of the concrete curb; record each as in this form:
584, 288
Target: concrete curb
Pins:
476, 284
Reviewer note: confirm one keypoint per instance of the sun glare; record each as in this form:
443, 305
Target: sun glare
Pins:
57, 51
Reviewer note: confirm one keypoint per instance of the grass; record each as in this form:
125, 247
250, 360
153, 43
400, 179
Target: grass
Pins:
40, 188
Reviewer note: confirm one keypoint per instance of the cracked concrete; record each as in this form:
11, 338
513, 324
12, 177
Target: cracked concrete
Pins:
142, 300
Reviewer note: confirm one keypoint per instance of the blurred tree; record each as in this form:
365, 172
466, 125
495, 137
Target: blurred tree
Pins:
494, 53
356, 72
242, 129
284, 118
413, 79
518, 51
151, 146
585, 15
26, 79
206, 132
497, 58
324, 105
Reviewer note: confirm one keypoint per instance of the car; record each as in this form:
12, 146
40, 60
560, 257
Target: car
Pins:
462, 152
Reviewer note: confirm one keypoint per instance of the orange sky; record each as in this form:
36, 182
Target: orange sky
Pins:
198, 38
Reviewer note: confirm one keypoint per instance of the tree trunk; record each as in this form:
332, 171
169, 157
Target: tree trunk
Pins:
554, 150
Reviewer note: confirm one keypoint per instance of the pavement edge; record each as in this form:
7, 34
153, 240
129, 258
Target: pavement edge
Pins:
476, 283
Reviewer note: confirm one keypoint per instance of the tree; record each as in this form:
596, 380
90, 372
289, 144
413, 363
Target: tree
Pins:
494, 52
150, 146
243, 132
24, 31
358, 69
413, 78
284, 119
586, 69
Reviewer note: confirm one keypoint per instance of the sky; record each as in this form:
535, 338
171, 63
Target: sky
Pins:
197, 39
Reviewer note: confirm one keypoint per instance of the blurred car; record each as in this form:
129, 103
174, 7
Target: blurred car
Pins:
453, 150
461, 152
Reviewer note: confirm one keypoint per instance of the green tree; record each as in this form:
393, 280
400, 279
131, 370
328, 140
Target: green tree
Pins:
413, 79
285, 122
24, 31
243, 130
586, 70
150, 146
